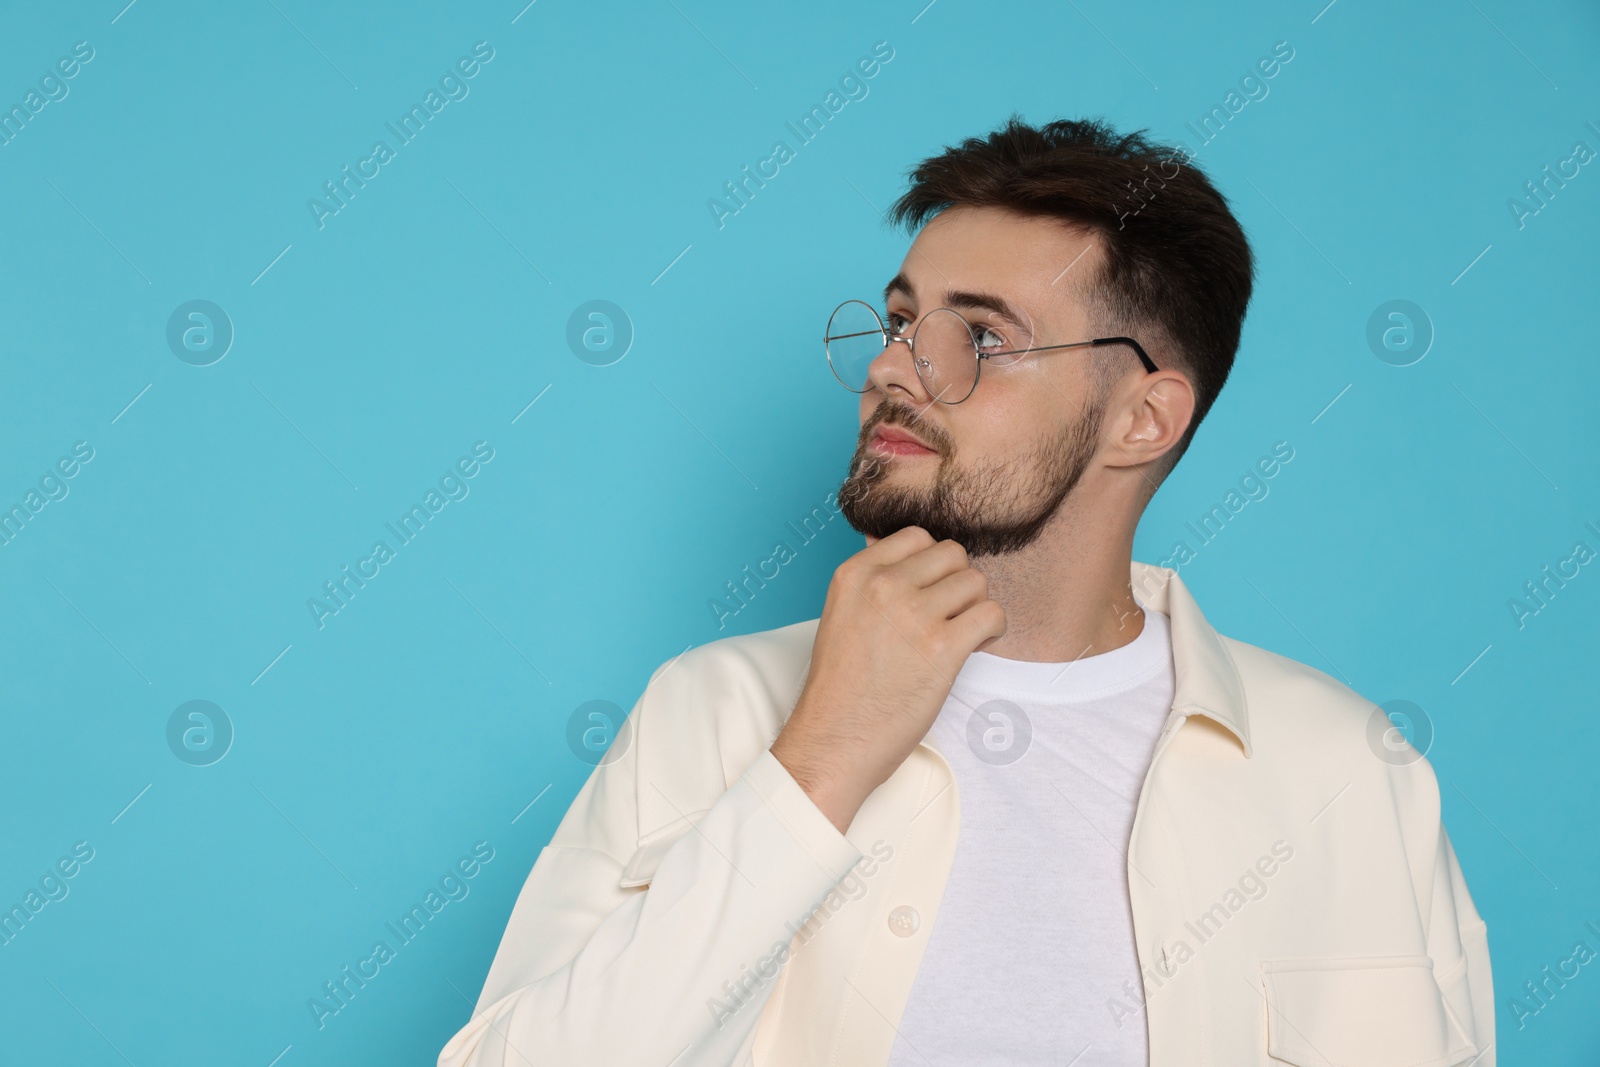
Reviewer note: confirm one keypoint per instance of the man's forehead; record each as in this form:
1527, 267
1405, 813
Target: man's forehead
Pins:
1011, 265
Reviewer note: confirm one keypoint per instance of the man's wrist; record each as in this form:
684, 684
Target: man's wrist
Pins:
826, 788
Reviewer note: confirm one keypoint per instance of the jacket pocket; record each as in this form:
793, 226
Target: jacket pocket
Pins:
646, 857
1379, 1011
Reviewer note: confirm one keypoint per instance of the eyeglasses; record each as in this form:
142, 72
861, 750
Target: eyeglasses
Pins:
946, 350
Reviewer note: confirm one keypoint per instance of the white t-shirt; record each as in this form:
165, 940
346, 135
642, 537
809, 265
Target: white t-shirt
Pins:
1034, 937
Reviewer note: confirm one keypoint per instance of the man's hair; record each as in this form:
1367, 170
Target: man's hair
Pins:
1177, 269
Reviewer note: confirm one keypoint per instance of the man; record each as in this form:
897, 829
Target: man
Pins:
1011, 799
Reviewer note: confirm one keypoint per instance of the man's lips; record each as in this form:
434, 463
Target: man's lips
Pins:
897, 442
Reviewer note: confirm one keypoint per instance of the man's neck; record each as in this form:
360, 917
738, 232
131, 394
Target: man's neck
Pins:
1065, 598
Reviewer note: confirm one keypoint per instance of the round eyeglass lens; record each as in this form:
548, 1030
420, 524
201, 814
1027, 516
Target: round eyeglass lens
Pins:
854, 339
946, 355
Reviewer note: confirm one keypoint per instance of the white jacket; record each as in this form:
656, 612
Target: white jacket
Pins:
1295, 897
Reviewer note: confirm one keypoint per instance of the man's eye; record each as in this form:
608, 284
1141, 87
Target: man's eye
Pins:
988, 339
896, 322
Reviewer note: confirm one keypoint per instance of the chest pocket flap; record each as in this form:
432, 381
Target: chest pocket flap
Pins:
1383, 1011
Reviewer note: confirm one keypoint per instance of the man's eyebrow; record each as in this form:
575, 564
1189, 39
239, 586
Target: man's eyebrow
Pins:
962, 298
959, 298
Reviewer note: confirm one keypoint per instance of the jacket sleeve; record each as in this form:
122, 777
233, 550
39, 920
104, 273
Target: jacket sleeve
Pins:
606, 961
1458, 941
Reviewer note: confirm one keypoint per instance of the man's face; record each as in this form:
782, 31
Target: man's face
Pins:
994, 468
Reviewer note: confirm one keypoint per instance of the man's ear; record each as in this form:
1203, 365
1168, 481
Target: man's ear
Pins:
1153, 418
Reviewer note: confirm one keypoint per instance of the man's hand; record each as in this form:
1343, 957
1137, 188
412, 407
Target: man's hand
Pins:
902, 616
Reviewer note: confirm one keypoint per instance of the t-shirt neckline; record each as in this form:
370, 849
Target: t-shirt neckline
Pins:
1082, 679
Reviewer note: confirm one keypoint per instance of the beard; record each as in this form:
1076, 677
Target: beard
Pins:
990, 508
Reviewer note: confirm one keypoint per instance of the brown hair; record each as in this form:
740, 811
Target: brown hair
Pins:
1177, 269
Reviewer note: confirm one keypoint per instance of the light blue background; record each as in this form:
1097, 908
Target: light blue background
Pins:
432, 309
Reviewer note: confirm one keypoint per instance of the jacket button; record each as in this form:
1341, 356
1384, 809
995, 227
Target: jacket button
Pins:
904, 920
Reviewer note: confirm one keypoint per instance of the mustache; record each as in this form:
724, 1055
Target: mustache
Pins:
889, 414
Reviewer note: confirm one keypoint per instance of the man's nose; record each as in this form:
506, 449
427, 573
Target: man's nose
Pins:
894, 370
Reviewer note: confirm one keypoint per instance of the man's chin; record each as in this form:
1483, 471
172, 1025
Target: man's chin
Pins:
872, 516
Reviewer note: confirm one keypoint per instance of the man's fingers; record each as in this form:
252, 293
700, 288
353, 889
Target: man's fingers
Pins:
980, 623
897, 546
955, 593
933, 563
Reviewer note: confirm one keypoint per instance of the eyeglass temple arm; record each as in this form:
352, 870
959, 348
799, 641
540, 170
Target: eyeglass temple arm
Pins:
1144, 358
1149, 365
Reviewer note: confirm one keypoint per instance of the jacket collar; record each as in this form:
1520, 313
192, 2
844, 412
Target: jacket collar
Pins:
1206, 681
